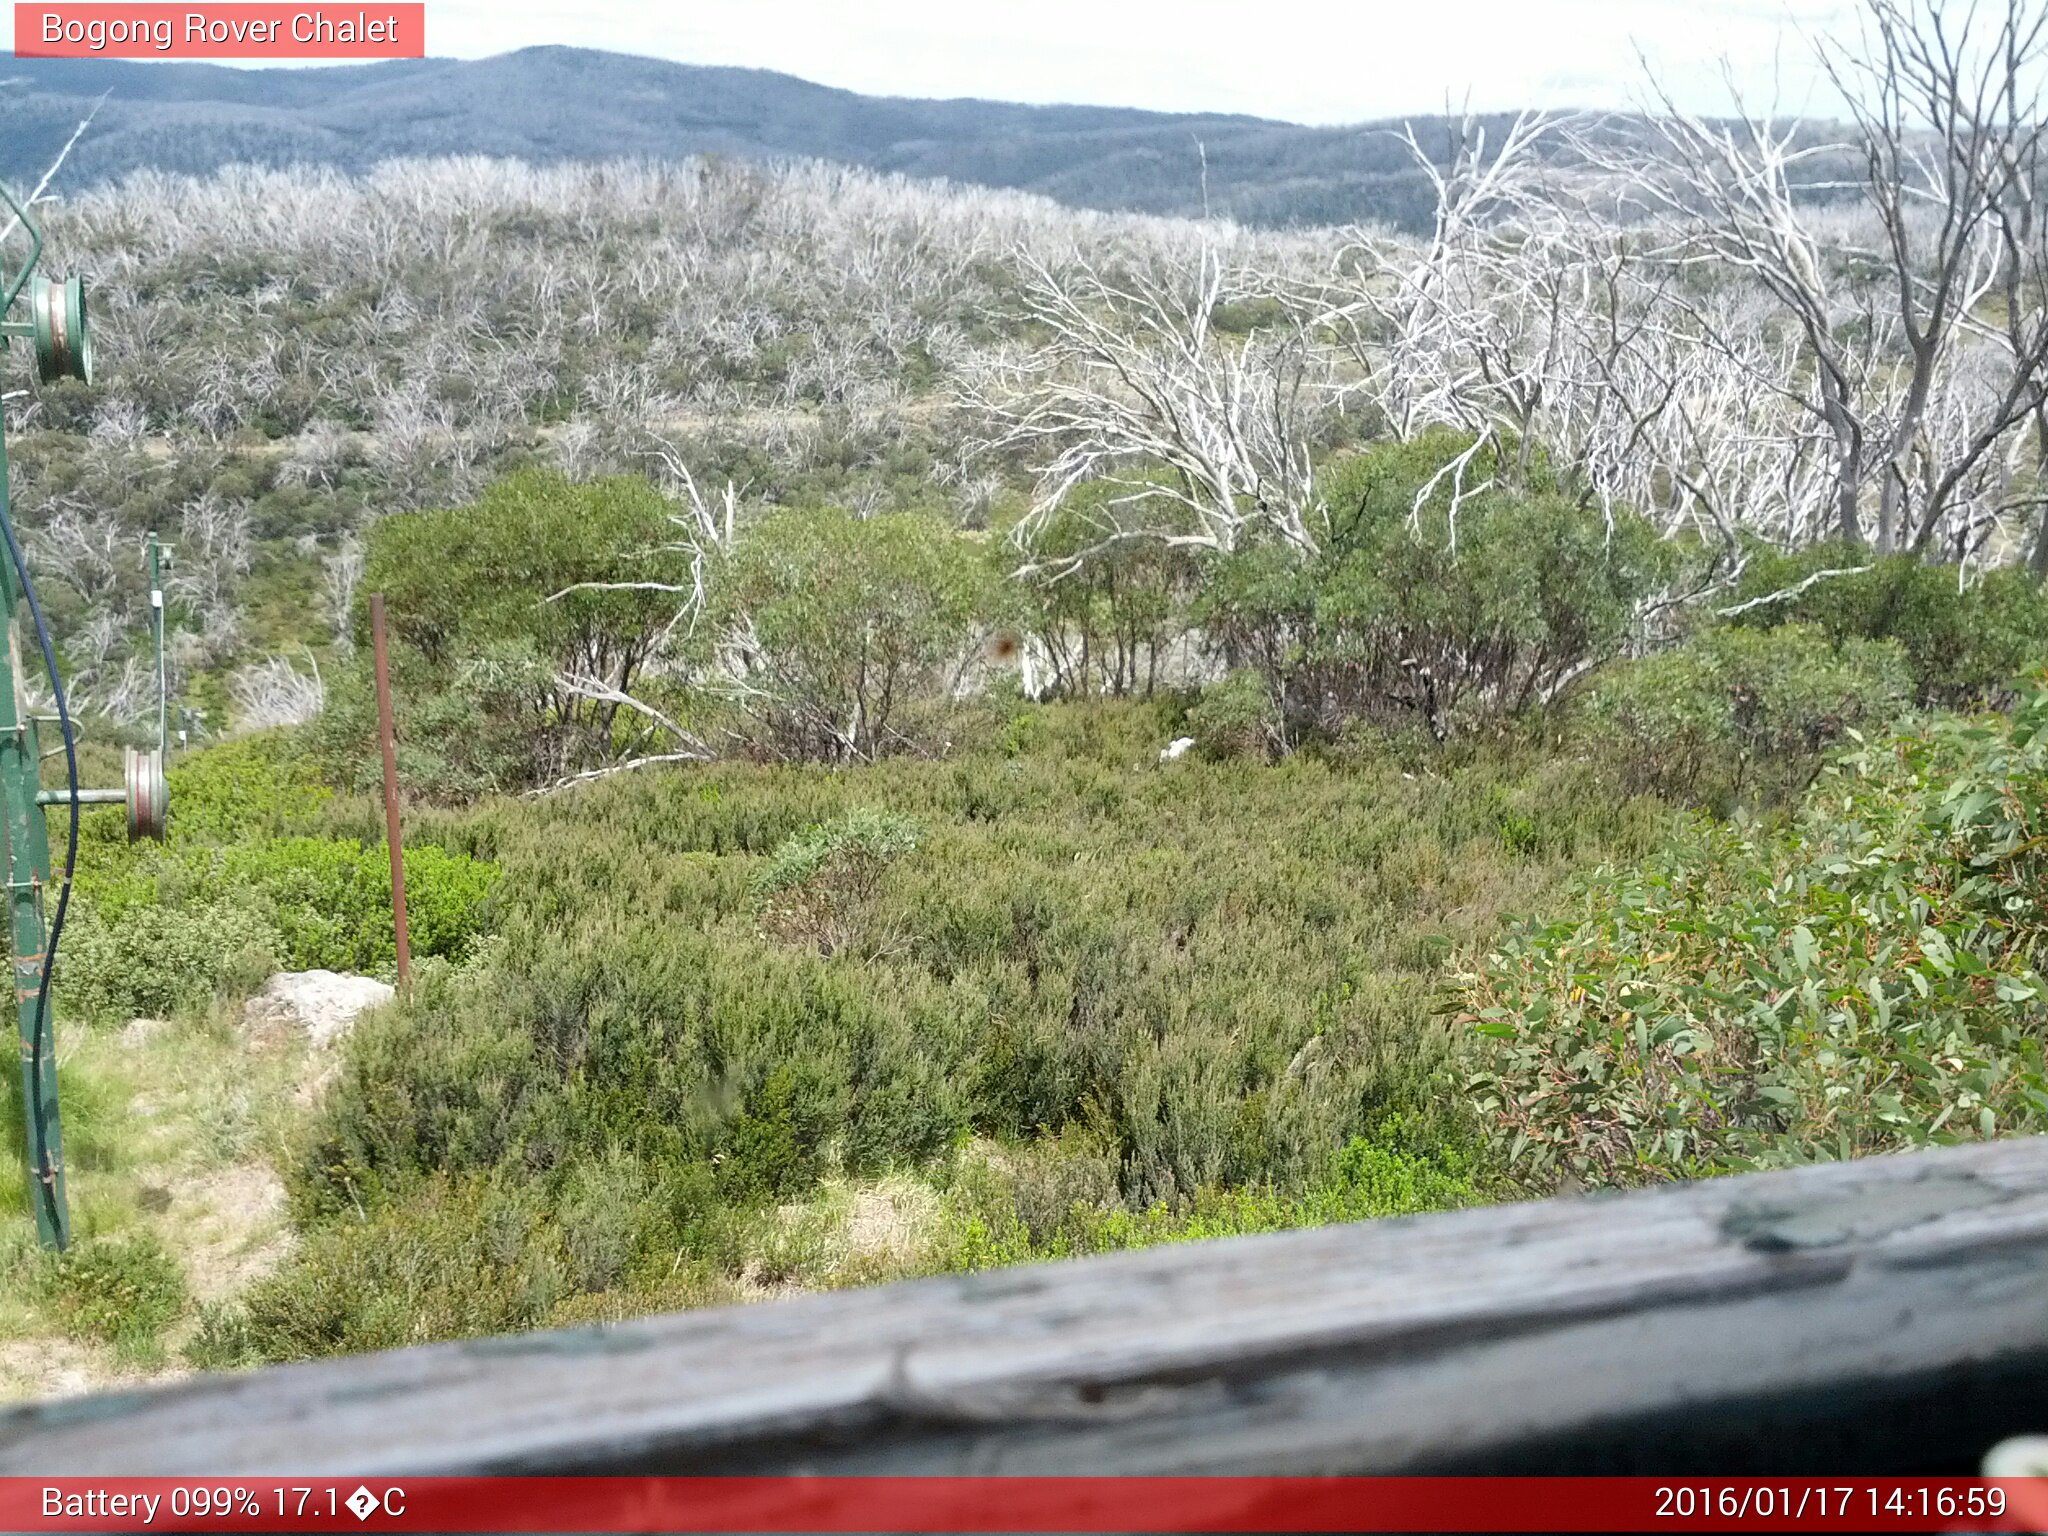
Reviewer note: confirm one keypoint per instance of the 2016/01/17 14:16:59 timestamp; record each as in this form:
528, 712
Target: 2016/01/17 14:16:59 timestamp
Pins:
1793, 1501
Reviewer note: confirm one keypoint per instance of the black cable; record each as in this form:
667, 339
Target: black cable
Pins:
40, 1034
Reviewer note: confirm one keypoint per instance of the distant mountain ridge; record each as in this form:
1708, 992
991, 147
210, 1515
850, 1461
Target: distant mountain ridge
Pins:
557, 103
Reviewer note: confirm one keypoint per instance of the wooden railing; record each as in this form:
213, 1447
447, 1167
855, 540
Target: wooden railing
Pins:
1883, 1316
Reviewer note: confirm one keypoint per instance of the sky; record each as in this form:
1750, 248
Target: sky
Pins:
1307, 61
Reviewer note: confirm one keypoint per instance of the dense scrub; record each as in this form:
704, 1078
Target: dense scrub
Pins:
1738, 715
1419, 604
885, 928
1865, 979
1166, 998
259, 874
1964, 641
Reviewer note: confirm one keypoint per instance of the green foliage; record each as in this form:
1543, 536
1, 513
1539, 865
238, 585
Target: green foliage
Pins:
331, 899
459, 581
461, 1257
1235, 717
454, 1261
819, 887
1414, 611
1966, 645
148, 961
1056, 1202
249, 787
1742, 712
121, 1290
490, 606
1101, 606
844, 624
245, 885
1187, 989
182, 922
1866, 980
774, 1148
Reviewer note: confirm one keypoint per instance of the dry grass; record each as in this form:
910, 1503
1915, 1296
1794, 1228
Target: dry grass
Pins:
177, 1129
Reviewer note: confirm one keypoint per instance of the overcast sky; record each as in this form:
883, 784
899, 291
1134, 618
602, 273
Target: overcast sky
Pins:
1310, 61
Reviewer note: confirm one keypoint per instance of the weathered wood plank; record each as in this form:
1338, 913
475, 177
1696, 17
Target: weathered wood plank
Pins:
1448, 1342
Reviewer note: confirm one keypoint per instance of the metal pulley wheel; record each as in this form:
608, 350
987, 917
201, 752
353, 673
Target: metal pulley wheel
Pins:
63, 338
149, 797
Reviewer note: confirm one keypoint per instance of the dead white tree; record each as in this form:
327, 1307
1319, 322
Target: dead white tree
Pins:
274, 692
706, 527
1923, 338
1949, 124
1207, 435
341, 573
40, 191
1433, 329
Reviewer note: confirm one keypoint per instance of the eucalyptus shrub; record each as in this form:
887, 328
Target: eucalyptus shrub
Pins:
840, 628
1103, 607
1965, 643
1736, 713
1866, 980
1235, 717
493, 608
1421, 604
819, 888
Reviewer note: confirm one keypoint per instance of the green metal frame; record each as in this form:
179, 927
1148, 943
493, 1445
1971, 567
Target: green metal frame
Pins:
59, 336
25, 835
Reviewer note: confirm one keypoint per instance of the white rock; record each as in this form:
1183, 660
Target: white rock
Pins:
1174, 750
141, 1031
324, 1004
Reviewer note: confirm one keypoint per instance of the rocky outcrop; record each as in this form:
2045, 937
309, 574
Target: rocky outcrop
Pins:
320, 1005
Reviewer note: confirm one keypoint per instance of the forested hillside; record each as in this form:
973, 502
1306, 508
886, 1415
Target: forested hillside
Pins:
940, 729
555, 104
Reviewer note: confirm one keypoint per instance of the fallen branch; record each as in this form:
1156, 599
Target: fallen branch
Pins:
1788, 593
591, 774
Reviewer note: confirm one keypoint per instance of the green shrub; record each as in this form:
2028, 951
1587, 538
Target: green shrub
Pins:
1965, 643
1057, 1201
182, 923
459, 580
1235, 717
1737, 712
1413, 609
242, 790
1864, 981
1222, 976
840, 623
453, 1260
1101, 607
222, 1339
461, 1257
819, 887
774, 1148
163, 929
331, 899
1168, 1000
491, 607
155, 961
124, 1291
258, 786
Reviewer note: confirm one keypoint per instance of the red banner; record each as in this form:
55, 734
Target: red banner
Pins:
214, 31
606, 1504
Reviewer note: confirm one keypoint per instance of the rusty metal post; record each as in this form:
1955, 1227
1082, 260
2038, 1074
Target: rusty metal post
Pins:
391, 832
